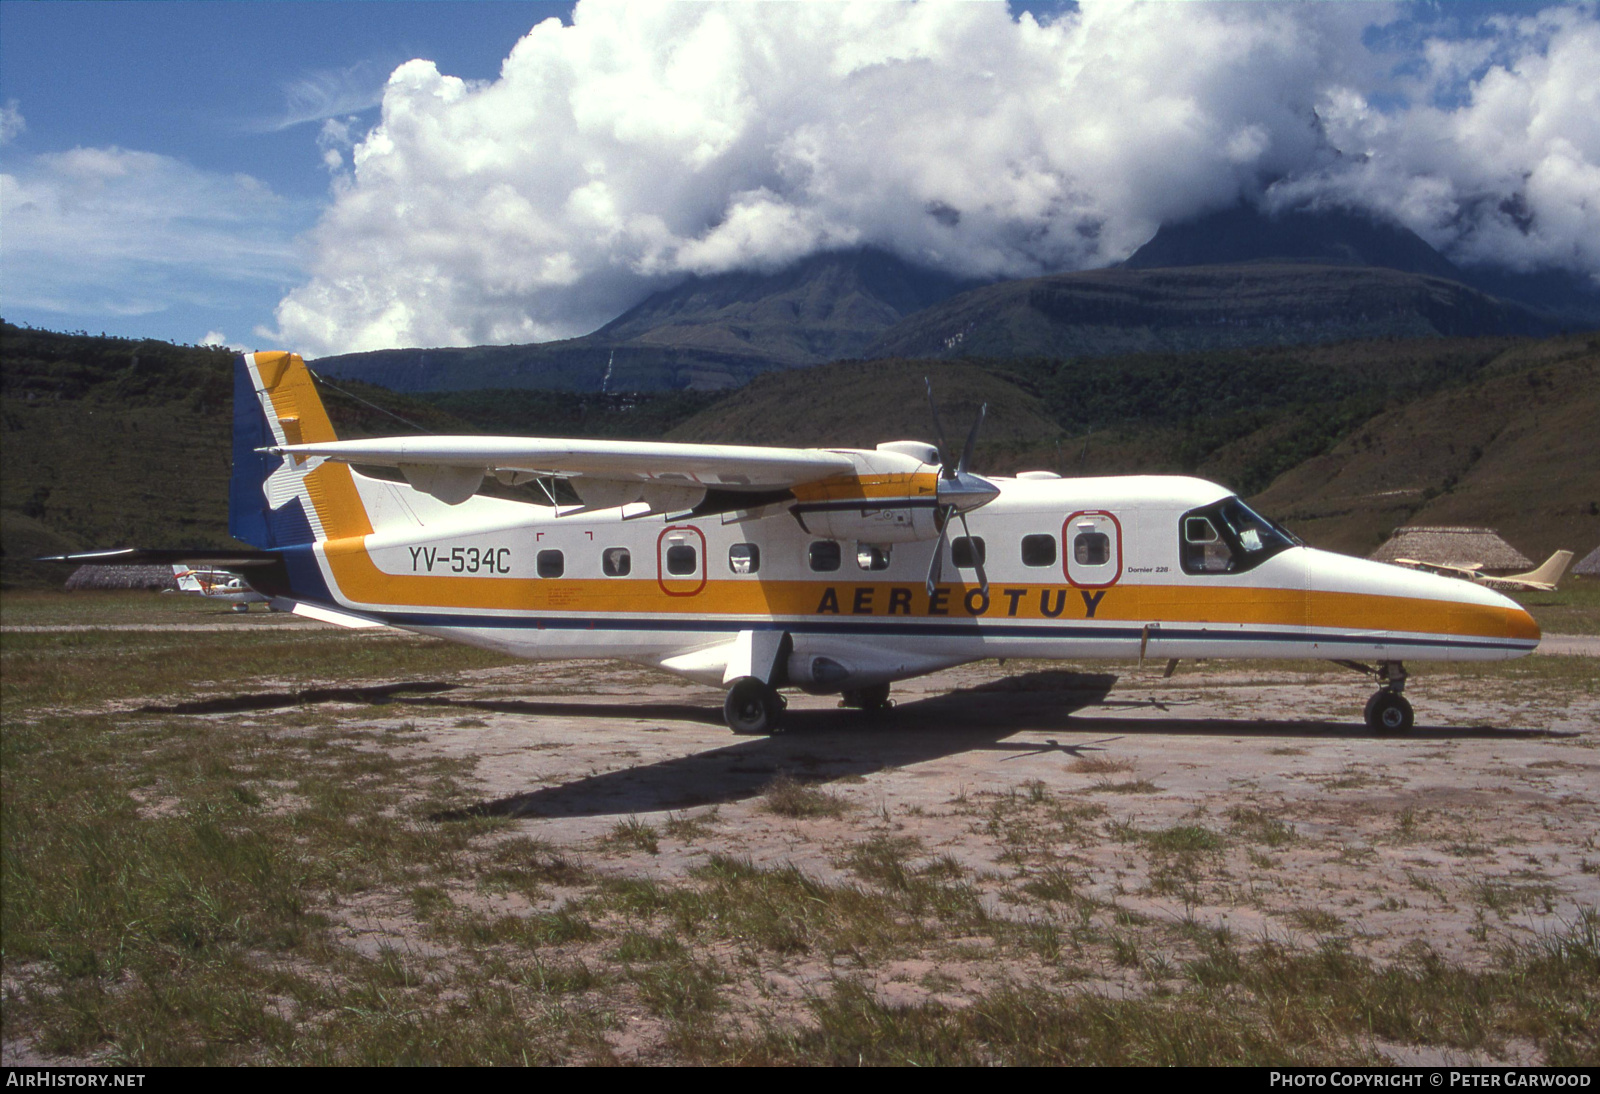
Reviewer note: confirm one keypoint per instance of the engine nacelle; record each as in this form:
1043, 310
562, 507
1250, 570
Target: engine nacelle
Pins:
823, 665
889, 520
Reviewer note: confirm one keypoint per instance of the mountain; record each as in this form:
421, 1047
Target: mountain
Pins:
706, 333
1348, 237
1335, 237
1198, 308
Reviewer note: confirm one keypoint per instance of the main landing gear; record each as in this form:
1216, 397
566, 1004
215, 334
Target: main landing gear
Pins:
872, 700
1387, 711
753, 706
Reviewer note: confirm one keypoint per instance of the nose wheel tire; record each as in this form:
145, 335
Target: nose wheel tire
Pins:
1388, 712
753, 707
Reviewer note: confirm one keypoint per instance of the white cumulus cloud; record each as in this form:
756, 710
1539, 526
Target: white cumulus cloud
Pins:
12, 123
109, 230
646, 142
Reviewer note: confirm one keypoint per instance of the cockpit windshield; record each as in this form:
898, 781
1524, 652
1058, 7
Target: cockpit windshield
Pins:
1229, 537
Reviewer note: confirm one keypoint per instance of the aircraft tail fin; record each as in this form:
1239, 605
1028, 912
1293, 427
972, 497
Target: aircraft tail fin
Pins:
276, 501
1550, 572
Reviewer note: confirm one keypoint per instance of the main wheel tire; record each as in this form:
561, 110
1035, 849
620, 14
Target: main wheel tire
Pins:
752, 707
1388, 713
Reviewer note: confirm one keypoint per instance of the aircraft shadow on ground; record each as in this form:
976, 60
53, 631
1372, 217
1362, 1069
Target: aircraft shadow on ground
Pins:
273, 700
824, 745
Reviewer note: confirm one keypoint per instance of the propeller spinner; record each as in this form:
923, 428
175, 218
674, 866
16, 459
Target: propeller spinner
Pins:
959, 491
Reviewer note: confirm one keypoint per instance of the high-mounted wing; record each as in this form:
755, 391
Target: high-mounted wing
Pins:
604, 473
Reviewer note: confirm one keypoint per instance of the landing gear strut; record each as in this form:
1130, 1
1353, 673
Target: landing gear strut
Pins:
753, 706
1387, 711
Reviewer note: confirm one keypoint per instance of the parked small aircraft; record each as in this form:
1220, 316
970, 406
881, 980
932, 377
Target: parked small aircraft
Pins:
218, 585
1543, 578
823, 569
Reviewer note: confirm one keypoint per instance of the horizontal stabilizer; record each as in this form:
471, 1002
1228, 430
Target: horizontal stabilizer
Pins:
195, 556
324, 615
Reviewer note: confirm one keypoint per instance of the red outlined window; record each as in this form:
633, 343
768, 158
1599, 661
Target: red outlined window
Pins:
1091, 549
681, 560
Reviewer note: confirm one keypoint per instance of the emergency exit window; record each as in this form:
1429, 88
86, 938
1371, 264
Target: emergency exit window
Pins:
1091, 549
551, 564
682, 560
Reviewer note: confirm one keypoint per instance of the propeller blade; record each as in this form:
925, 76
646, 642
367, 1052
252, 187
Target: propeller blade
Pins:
938, 427
936, 567
972, 441
977, 555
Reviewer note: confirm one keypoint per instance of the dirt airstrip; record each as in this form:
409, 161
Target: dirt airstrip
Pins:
1480, 824
1103, 802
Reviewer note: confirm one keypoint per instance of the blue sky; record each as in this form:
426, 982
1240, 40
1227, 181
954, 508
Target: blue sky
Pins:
223, 88
187, 170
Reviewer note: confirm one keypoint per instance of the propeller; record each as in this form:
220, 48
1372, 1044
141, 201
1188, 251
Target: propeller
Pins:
959, 490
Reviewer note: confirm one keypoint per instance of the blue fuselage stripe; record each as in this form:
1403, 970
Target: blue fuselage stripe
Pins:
861, 628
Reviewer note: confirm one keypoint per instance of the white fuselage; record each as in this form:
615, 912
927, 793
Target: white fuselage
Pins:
1077, 568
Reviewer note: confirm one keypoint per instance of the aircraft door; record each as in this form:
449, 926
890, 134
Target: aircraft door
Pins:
681, 560
1091, 544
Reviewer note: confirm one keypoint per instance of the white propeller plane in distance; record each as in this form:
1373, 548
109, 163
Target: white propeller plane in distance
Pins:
759, 568
1542, 579
222, 585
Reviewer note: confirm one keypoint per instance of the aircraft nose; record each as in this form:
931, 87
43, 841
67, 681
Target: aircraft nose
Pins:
1519, 623
1478, 607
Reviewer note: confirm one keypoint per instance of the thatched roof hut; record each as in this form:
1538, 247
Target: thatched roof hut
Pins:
1453, 546
122, 577
1590, 566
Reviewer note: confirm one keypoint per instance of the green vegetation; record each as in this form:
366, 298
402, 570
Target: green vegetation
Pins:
524, 412
1574, 608
1342, 441
270, 879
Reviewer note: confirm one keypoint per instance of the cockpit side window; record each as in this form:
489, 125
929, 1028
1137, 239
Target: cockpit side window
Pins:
1228, 537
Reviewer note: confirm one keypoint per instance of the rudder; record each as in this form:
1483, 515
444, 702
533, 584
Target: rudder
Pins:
275, 501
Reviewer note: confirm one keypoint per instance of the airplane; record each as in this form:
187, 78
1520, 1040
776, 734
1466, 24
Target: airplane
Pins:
1544, 578
217, 585
758, 568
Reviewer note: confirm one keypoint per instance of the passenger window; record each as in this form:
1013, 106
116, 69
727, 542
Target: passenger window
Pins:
682, 560
1091, 549
616, 562
824, 556
1039, 550
551, 564
744, 558
967, 553
870, 556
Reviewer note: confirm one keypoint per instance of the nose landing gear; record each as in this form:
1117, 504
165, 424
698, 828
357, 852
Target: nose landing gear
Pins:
1388, 711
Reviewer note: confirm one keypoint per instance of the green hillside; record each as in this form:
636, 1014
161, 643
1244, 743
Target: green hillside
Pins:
112, 442
1344, 442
